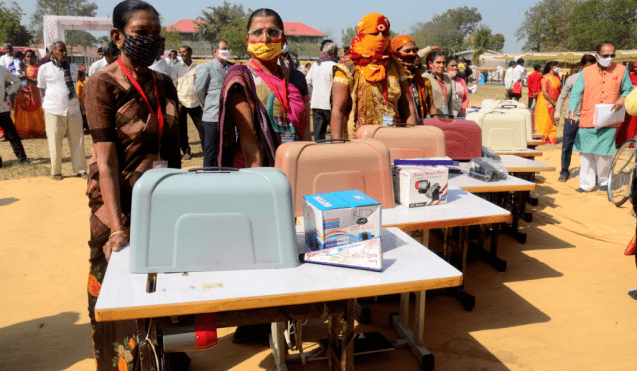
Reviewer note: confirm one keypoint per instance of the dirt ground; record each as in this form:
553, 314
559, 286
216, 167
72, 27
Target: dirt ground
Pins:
561, 304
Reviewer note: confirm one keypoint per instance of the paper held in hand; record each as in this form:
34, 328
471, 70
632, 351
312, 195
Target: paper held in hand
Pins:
605, 116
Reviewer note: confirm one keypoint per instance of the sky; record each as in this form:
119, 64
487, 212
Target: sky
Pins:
503, 16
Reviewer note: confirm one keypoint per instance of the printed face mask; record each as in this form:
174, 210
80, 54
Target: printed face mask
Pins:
265, 51
604, 62
142, 50
224, 54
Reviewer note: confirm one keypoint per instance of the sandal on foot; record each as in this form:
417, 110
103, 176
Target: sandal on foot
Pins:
56, 177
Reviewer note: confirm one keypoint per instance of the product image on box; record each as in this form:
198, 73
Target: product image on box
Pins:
366, 254
430, 190
340, 218
416, 186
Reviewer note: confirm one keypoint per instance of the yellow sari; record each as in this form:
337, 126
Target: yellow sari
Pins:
545, 111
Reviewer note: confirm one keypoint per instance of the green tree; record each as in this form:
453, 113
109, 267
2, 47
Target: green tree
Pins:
10, 28
448, 30
79, 8
482, 40
173, 38
497, 42
347, 35
234, 34
102, 39
595, 21
546, 26
216, 17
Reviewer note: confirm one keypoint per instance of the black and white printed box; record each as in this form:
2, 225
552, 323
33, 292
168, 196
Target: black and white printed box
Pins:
416, 186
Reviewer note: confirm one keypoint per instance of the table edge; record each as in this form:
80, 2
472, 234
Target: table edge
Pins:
499, 188
178, 309
528, 169
502, 218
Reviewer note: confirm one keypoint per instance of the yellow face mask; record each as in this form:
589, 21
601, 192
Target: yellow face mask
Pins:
265, 51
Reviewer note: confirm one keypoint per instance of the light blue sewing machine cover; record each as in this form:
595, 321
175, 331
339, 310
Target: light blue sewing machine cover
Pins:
212, 220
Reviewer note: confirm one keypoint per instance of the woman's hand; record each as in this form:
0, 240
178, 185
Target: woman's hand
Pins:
115, 243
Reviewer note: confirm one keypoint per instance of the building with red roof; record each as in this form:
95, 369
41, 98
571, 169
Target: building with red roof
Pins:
302, 33
185, 26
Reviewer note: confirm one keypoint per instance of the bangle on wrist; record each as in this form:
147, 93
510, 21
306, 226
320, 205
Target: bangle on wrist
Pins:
117, 232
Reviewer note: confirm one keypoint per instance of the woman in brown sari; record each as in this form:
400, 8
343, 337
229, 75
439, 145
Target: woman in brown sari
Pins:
133, 119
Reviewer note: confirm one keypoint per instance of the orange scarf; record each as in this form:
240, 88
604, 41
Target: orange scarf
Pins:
399, 41
371, 53
412, 76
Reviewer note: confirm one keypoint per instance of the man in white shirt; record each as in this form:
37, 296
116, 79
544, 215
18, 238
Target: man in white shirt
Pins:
320, 77
7, 58
57, 80
160, 65
184, 75
173, 58
210, 76
109, 52
6, 123
518, 75
508, 79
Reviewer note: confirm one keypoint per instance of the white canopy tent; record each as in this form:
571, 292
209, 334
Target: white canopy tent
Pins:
55, 25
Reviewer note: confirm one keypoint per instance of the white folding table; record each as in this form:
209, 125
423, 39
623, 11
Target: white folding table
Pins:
510, 193
238, 296
462, 209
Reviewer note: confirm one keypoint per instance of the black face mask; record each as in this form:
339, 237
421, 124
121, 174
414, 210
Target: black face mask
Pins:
142, 50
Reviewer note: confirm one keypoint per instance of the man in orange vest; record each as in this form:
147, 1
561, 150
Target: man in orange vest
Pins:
602, 83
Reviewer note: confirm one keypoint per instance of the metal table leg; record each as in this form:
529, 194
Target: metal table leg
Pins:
413, 339
279, 346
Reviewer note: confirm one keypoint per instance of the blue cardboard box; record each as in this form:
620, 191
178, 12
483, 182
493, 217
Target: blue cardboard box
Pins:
340, 218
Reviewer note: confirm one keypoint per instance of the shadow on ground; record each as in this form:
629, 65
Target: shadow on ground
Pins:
44, 340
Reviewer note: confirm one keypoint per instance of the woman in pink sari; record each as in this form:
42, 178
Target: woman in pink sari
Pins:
28, 115
264, 101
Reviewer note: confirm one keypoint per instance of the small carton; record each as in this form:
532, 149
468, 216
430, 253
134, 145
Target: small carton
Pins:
416, 186
340, 218
366, 254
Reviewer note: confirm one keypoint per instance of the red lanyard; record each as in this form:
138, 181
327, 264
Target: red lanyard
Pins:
158, 118
443, 87
385, 90
282, 99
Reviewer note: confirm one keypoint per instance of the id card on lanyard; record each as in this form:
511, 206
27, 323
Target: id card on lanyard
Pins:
443, 88
457, 96
158, 118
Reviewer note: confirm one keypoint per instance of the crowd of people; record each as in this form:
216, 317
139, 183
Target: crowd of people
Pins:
135, 105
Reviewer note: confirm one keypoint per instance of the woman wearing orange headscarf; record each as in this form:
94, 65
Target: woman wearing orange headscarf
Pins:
369, 83
419, 88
